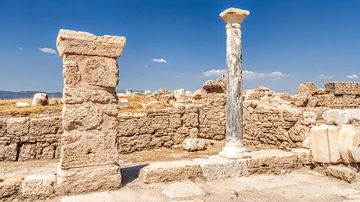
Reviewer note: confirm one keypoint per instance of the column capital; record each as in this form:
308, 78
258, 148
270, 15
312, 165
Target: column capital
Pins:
234, 15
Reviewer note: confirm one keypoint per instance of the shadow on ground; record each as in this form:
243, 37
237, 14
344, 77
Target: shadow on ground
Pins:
129, 174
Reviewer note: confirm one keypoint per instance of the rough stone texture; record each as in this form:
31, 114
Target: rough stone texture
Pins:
216, 167
17, 126
8, 152
40, 99
303, 156
271, 161
344, 173
89, 115
193, 144
171, 171
10, 187
307, 89
182, 190
85, 179
38, 186
83, 43
343, 88
215, 86
340, 117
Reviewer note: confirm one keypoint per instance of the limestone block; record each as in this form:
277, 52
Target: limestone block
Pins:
71, 72
215, 86
17, 126
8, 152
274, 161
341, 117
136, 143
88, 179
349, 141
38, 186
343, 88
83, 43
10, 186
216, 167
81, 118
81, 95
307, 89
2, 126
324, 144
44, 126
344, 173
22, 104
40, 99
170, 171
193, 133
102, 72
27, 152
309, 118
191, 119
190, 144
303, 156
174, 120
88, 149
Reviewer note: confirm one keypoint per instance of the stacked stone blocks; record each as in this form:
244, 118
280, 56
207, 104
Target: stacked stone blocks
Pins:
89, 152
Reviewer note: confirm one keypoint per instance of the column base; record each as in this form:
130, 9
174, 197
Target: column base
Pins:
88, 179
232, 152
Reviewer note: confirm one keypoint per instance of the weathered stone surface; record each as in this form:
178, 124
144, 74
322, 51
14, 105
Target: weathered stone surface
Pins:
2, 126
343, 88
344, 173
170, 171
17, 126
38, 186
82, 118
303, 156
81, 95
10, 187
102, 72
194, 144
182, 190
88, 179
83, 43
349, 141
271, 161
216, 167
8, 152
324, 144
307, 89
40, 99
340, 117
71, 72
44, 126
215, 86
88, 149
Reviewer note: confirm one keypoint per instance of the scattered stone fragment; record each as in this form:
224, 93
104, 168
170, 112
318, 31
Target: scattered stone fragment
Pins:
40, 99
193, 144
22, 104
344, 173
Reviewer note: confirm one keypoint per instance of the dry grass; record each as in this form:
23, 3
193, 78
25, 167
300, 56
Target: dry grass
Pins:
135, 104
8, 108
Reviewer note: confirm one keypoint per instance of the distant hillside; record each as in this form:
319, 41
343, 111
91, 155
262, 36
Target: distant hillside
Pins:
26, 94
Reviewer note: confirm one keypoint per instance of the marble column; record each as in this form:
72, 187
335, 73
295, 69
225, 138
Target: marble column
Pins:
89, 152
234, 106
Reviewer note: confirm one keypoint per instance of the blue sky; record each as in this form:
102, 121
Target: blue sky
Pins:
176, 44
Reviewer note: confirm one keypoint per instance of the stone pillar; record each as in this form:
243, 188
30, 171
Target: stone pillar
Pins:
89, 154
234, 107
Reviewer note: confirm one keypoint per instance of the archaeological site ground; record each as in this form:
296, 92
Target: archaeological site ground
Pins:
219, 143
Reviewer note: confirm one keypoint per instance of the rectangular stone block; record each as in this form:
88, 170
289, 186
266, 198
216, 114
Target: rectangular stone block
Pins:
38, 186
83, 43
216, 167
340, 172
81, 95
271, 161
44, 126
88, 149
2, 127
84, 117
191, 144
8, 152
343, 88
324, 144
171, 171
10, 186
88, 179
303, 156
17, 126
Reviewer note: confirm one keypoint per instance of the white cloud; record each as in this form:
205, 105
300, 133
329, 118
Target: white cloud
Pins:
261, 75
215, 73
323, 76
353, 76
48, 50
160, 60
20, 48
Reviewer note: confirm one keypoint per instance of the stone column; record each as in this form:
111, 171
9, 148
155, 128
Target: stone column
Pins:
89, 154
234, 107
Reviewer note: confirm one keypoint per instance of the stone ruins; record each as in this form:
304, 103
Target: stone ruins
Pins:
263, 131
